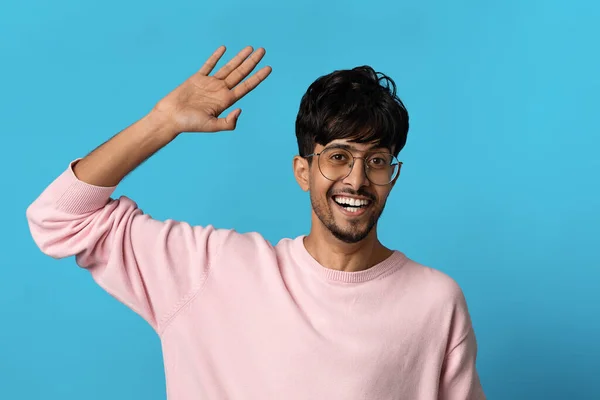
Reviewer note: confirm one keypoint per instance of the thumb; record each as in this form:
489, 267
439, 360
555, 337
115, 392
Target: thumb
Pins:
229, 122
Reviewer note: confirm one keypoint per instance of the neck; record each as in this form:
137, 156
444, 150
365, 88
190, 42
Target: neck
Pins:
332, 253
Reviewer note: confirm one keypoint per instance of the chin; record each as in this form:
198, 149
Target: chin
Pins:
351, 232
350, 237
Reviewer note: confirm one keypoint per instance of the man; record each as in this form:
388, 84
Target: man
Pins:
331, 315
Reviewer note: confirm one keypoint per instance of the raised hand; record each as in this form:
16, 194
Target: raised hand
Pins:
195, 106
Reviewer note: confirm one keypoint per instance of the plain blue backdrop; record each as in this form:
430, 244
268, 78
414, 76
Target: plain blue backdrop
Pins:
500, 187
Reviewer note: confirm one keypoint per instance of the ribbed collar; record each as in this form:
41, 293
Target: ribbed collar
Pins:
389, 265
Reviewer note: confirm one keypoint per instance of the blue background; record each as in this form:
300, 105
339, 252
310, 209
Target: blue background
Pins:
500, 186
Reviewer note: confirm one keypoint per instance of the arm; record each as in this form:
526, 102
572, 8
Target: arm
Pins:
149, 265
460, 379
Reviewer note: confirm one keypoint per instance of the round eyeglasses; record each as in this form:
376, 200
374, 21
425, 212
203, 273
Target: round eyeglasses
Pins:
336, 163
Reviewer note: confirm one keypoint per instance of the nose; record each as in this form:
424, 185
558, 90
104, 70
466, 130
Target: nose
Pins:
357, 177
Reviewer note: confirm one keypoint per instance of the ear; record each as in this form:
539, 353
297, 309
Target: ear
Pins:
301, 172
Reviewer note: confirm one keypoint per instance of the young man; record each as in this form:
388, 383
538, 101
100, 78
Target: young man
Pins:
331, 315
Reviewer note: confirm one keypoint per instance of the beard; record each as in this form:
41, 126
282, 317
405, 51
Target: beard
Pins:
357, 229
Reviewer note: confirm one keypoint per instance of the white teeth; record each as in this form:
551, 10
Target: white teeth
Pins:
351, 202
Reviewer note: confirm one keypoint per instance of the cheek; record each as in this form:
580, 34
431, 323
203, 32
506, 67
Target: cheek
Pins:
319, 187
382, 195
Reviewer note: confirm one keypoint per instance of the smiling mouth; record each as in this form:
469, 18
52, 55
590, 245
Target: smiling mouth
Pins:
352, 205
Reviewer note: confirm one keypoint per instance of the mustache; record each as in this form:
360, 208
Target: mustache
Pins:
360, 192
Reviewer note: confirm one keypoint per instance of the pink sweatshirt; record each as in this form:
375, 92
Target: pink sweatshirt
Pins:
239, 318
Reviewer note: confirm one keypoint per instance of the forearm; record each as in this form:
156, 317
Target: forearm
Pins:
108, 164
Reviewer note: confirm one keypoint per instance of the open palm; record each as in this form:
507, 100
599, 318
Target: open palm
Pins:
195, 106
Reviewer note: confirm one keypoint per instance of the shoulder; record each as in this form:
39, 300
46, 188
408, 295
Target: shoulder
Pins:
433, 283
436, 296
446, 301
243, 245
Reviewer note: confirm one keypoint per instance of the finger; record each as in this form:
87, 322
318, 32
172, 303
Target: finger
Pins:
226, 124
209, 65
249, 84
238, 74
235, 62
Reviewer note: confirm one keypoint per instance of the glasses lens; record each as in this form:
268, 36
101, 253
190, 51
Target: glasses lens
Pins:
381, 168
335, 163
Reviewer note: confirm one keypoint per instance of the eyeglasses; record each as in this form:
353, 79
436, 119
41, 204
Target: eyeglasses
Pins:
336, 163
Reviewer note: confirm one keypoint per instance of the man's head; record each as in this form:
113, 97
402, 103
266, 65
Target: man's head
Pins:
350, 127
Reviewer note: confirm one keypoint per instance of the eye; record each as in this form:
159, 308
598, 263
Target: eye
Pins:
338, 156
379, 161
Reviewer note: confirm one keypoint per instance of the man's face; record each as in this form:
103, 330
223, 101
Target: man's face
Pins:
349, 207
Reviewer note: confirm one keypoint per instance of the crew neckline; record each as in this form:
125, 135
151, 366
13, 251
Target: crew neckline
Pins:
394, 262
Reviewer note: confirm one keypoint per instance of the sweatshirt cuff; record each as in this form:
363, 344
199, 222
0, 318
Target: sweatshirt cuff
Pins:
74, 196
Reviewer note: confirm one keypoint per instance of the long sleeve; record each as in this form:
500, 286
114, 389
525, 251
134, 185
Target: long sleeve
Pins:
460, 380
151, 266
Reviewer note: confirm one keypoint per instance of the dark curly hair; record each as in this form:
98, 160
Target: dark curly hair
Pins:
359, 104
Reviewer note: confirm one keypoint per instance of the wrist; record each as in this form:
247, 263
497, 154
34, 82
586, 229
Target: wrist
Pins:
161, 125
